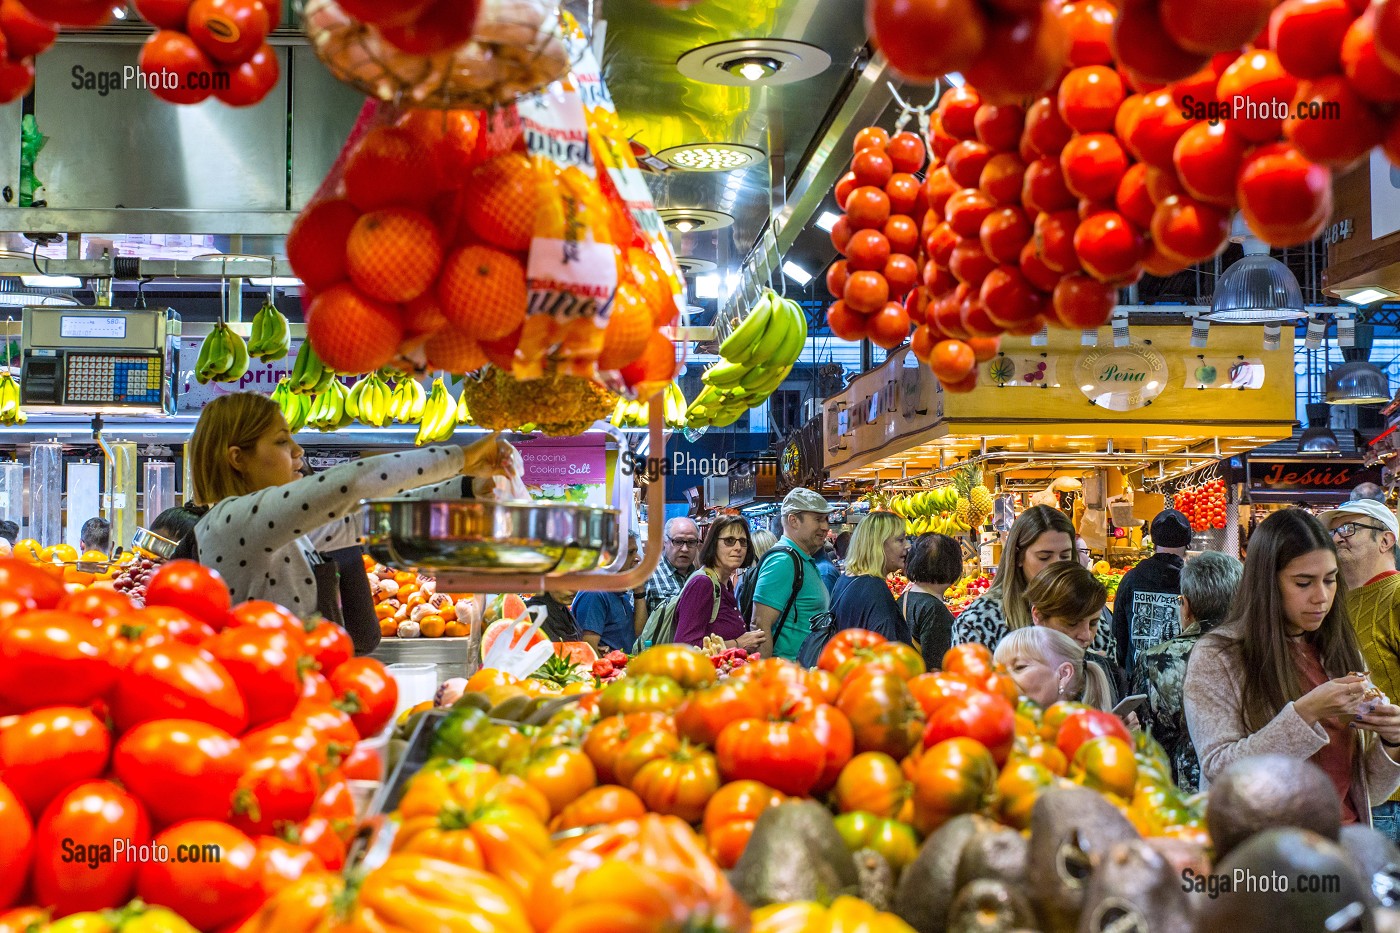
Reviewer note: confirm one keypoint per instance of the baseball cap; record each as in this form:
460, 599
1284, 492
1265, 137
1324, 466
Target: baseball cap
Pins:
1171, 528
1364, 508
804, 500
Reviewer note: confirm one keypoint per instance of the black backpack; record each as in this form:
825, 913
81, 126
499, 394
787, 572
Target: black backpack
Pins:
747, 588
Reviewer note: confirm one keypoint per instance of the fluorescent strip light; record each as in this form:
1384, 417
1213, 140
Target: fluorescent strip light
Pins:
281, 281
954, 78
51, 281
827, 221
1368, 296
707, 286
795, 272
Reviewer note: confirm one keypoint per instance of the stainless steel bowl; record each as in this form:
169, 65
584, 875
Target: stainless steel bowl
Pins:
490, 537
152, 545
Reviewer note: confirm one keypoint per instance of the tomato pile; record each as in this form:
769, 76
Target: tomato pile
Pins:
190, 722
1203, 505
1131, 160
212, 48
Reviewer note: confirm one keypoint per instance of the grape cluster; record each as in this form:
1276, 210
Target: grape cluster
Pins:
134, 576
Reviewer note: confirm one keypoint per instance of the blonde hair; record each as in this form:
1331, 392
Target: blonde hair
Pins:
1009, 588
1052, 648
762, 542
234, 420
867, 552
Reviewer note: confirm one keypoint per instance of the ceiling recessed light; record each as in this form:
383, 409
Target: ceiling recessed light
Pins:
690, 265
827, 221
747, 62
693, 219
711, 157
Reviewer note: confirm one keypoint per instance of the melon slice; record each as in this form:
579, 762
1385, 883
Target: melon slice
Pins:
576, 652
517, 630
504, 606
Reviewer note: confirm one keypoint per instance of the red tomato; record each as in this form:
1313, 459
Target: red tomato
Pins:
866, 292
278, 788
1036, 271
265, 666
902, 234
181, 769
967, 160
1009, 298
1000, 128
872, 166
75, 865
952, 361
1258, 78
1108, 246
1284, 197
368, 692
314, 686
868, 251
986, 717
1046, 132
1003, 177
53, 658
1207, 160
952, 777
229, 31
969, 659
175, 681
1332, 124
442, 25
24, 587
193, 588
164, 14
1210, 26
95, 603
889, 327
385, 12
1082, 302
1133, 200
1023, 56
784, 755
938, 188
45, 752
330, 645
900, 29
219, 880
1044, 189
904, 192
260, 613
281, 863
1188, 230
317, 835
364, 764
884, 716
867, 208
171, 58
1093, 165
907, 152
1054, 240
1089, 99
76, 13
1085, 724
1387, 32
902, 273
1306, 35
845, 323
843, 189
15, 855
958, 111
870, 137
252, 80
25, 34
1004, 232
1089, 24
1145, 50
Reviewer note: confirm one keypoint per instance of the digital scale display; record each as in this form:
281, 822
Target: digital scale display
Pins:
109, 380
110, 328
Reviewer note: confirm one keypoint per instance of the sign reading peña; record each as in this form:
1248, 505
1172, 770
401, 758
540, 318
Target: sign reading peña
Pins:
1121, 378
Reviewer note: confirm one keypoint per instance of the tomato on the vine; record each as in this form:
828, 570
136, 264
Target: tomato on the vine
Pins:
164, 14
367, 691
171, 52
278, 788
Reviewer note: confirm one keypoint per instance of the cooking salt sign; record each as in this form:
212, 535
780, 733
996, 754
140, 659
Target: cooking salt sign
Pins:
1121, 379
565, 469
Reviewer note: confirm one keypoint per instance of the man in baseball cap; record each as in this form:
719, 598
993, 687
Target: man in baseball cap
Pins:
1146, 608
1365, 532
788, 588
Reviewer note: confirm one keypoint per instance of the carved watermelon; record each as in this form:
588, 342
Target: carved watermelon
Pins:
576, 652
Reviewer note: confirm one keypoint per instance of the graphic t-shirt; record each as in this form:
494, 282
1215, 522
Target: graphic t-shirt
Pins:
1146, 609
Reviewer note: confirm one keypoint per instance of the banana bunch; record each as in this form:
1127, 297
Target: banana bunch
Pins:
438, 419
295, 408
10, 412
328, 408
408, 401
369, 402
272, 334
223, 356
309, 376
637, 414
940, 511
464, 415
756, 358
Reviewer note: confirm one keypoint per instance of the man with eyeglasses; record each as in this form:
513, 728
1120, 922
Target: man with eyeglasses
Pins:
1365, 533
680, 548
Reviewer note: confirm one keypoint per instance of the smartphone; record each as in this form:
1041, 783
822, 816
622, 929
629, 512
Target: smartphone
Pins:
1129, 705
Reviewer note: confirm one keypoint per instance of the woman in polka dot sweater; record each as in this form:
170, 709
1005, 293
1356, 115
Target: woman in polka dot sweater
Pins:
263, 514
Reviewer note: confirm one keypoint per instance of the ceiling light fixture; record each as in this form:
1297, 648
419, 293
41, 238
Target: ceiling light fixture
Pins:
1317, 438
754, 68
281, 281
51, 281
711, 157
1368, 295
1258, 288
750, 62
693, 219
795, 272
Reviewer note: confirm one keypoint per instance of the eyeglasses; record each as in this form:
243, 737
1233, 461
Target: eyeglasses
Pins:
685, 542
1349, 529
734, 542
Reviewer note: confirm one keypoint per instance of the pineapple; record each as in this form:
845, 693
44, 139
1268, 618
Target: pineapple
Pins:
962, 482
561, 672
974, 499
963, 512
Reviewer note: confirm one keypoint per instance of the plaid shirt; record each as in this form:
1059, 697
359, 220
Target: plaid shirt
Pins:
665, 583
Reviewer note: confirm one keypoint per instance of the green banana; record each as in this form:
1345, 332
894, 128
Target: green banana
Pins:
240, 362
724, 374
272, 333
202, 371
779, 327
795, 339
739, 346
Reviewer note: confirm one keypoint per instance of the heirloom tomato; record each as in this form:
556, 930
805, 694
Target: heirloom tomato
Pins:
416, 892
177, 681
882, 712
705, 713
730, 816
685, 665
1018, 788
607, 738
1083, 725
894, 841
785, 755
844, 645
872, 782
985, 717
952, 778
282, 864
53, 658
971, 659
679, 783
1106, 764
606, 804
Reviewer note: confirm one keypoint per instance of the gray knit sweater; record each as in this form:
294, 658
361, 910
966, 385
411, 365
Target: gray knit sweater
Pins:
1214, 683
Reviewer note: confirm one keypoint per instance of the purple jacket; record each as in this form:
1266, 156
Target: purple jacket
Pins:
697, 604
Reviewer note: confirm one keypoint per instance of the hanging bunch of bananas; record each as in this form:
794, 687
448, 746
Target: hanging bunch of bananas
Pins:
408, 400
309, 376
328, 412
438, 419
464, 414
10, 412
756, 358
272, 334
369, 402
636, 414
223, 356
295, 408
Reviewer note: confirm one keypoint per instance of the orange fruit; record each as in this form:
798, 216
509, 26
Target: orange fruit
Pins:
656, 364
393, 254
647, 273
502, 197
454, 351
27, 549
629, 328
316, 243
451, 135
352, 333
390, 167
423, 315
501, 353
482, 291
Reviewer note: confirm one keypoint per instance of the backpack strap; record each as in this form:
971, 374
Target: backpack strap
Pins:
719, 593
797, 574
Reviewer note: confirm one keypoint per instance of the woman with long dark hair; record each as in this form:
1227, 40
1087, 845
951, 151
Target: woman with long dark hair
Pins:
1279, 676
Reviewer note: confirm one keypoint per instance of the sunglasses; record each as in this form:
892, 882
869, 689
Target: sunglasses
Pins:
727, 541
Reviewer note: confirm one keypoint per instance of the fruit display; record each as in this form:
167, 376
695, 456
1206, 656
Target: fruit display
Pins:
631, 413
946, 510
133, 576
408, 605
271, 337
210, 48
755, 359
10, 411
223, 356
961, 594
189, 725
1204, 505
898, 583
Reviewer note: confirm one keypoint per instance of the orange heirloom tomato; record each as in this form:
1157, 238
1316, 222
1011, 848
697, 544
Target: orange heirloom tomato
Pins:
1055, 717
1021, 783
891, 657
784, 754
307, 905
824, 685
1048, 755
1001, 683
953, 777
883, 713
935, 688
640, 750
508, 841
1106, 764
845, 913
23, 920
465, 786
730, 816
843, 647
872, 782
680, 783
606, 804
415, 892
561, 774
607, 738
706, 712
972, 659
687, 666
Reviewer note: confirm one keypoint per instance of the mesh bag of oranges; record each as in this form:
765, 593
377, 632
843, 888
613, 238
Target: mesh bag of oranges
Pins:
521, 238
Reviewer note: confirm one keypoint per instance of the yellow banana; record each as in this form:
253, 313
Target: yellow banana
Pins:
739, 346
